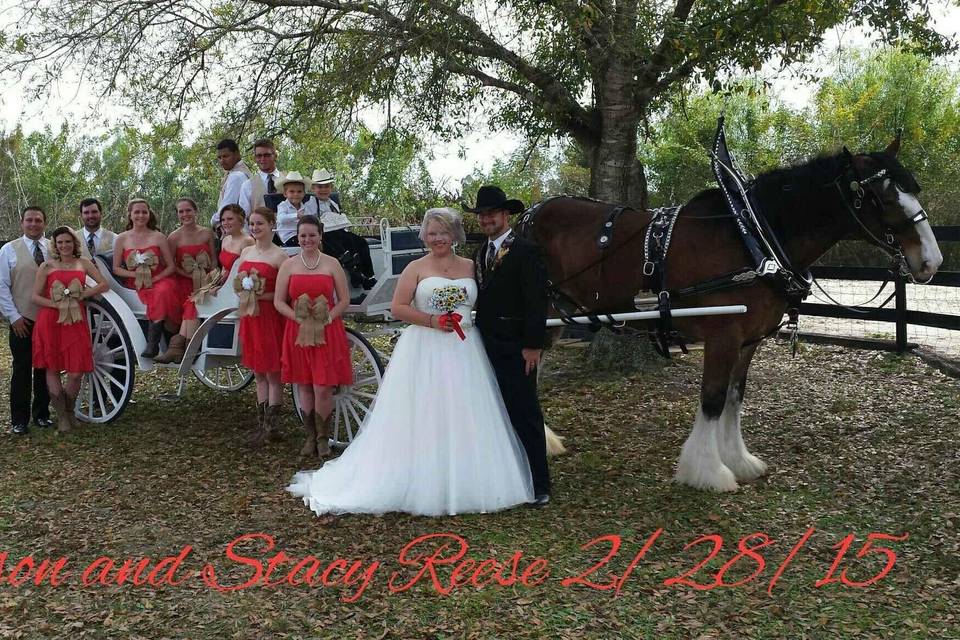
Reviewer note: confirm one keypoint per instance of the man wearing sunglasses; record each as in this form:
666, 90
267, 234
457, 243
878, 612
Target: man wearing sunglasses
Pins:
264, 181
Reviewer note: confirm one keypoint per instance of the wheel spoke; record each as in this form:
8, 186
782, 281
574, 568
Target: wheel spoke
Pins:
362, 394
107, 364
105, 382
356, 403
100, 403
108, 377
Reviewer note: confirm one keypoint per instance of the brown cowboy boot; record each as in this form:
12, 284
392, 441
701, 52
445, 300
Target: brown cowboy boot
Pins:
309, 449
174, 352
273, 423
71, 407
323, 438
63, 420
260, 435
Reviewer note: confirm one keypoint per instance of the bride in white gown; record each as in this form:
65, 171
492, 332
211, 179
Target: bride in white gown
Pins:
438, 440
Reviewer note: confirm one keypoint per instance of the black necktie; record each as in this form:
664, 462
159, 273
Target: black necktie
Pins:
491, 254
90, 246
37, 253
271, 188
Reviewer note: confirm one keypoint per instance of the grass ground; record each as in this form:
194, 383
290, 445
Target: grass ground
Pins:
858, 443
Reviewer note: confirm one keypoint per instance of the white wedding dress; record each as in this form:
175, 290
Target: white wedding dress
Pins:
438, 440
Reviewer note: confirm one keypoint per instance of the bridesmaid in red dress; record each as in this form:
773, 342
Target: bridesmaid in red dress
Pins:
143, 256
193, 254
234, 239
61, 338
261, 327
312, 294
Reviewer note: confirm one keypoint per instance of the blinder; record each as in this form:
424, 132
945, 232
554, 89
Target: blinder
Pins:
864, 188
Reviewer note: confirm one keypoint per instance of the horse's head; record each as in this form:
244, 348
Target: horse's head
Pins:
882, 196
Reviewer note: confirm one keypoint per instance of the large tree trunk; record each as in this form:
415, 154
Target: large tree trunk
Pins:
617, 176
616, 173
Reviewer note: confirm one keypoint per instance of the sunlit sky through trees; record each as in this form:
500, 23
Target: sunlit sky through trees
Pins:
80, 105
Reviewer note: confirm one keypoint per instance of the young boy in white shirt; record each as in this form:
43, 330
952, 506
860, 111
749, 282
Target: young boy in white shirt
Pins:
294, 187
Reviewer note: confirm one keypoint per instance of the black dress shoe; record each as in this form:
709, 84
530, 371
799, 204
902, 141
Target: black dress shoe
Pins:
368, 283
359, 299
43, 423
540, 501
20, 429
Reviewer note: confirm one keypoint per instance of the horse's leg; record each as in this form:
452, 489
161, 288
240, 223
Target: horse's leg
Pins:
700, 465
733, 451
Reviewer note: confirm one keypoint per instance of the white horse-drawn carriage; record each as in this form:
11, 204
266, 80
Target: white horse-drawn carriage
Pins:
118, 322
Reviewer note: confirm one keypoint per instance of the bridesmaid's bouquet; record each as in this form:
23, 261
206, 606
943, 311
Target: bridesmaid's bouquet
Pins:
446, 299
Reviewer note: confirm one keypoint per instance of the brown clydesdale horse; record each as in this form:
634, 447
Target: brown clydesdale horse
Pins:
807, 212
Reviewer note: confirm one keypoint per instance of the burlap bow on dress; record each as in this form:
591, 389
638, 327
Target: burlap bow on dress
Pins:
142, 263
211, 282
313, 316
249, 286
196, 266
67, 299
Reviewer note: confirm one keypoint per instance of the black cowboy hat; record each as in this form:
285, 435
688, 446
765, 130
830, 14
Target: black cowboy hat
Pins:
492, 197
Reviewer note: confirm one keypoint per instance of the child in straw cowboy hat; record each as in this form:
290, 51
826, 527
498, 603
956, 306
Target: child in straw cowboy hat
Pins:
294, 187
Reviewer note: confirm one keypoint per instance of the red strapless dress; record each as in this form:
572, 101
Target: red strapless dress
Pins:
227, 259
186, 284
163, 298
261, 335
62, 347
321, 365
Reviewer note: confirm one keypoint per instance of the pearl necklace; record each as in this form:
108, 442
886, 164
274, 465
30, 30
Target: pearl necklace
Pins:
308, 267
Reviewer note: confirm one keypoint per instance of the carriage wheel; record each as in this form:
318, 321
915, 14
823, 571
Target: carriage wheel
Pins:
351, 403
105, 392
226, 378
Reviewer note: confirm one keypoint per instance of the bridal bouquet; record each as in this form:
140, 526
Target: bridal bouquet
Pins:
446, 299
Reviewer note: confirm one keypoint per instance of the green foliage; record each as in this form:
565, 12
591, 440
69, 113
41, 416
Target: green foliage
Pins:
861, 106
378, 174
586, 71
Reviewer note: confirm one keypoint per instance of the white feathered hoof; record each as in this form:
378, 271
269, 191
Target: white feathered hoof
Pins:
746, 467
554, 443
714, 477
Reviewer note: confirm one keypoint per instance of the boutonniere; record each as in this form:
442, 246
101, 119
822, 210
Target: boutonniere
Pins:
504, 250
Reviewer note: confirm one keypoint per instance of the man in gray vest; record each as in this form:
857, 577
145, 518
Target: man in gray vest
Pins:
235, 175
19, 261
265, 180
94, 238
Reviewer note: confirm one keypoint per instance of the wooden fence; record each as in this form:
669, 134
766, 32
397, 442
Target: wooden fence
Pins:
899, 314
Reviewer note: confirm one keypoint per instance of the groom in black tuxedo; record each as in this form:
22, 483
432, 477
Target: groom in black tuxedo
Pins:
511, 315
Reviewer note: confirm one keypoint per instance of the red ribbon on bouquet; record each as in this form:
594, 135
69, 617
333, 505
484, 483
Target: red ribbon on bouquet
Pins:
452, 320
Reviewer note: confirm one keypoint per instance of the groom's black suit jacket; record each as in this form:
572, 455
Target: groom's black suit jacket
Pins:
511, 315
512, 298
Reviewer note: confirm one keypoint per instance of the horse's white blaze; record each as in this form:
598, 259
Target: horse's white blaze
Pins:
700, 465
733, 452
925, 259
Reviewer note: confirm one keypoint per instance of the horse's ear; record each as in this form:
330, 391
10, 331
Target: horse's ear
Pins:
894, 147
847, 155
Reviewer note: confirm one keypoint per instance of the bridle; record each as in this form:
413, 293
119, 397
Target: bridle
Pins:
865, 188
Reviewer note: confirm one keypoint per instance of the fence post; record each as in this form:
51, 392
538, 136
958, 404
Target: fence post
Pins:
900, 289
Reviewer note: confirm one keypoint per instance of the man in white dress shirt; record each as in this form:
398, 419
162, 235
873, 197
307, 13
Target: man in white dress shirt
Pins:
236, 174
265, 180
96, 239
19, 261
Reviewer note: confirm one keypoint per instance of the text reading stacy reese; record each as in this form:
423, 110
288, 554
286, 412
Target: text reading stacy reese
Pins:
442, 562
